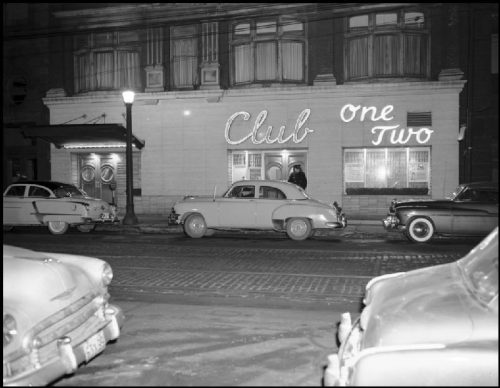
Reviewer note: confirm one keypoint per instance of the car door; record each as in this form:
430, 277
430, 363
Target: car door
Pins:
475, 212
268, 200
237, 208
15, 211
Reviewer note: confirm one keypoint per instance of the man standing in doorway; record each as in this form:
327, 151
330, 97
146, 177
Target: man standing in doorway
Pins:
298, 177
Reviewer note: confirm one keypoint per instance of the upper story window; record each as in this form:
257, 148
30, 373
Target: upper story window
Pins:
107, 61
268, 50
184, 56
387, 44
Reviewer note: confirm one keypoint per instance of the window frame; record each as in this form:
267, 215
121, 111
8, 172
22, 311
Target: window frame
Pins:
401, 32
359, 180
91, 49
281, 37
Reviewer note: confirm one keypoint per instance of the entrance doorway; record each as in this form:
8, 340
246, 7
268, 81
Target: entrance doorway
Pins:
97, 174
278, 166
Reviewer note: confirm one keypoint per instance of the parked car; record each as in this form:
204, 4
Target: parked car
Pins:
472, 210
434, 326
56, 314
55, 205
258, 205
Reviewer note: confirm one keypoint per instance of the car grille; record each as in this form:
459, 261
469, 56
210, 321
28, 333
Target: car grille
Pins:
78, 321
349, 351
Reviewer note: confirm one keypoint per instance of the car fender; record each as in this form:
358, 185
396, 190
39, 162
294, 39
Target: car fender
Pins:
313, 213
207, 209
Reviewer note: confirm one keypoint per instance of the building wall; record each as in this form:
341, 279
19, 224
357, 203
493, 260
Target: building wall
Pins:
188, 153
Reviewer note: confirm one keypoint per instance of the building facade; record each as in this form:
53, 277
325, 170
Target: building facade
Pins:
369, 99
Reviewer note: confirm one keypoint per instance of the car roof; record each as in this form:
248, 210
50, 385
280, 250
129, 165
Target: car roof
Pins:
52, 185
291, 190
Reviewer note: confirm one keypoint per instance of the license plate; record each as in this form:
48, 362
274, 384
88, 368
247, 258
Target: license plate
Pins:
105, 216
94, 345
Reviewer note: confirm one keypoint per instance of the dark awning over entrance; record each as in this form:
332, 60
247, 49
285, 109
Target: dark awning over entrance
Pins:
82, 135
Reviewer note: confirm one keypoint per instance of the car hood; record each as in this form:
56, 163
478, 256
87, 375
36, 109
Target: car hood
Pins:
423, 203
35, 283
426, 306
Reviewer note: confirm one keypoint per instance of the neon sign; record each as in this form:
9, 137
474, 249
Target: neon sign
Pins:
258, 137
396, 135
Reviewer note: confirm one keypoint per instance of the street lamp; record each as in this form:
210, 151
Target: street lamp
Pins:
130, 217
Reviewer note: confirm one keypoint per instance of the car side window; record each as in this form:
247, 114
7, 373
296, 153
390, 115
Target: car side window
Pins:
15, 191
38, 192
242, 192
469, 195
268, 192
488, 196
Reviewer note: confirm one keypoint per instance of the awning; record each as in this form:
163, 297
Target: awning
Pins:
82, 135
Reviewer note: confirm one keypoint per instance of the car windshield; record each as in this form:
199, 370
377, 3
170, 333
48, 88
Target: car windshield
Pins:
480, 268
69, 191
456, 193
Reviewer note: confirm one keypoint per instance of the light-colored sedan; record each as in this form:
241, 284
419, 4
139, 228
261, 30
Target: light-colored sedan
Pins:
55, 205
56, 314
258, 205
434, 326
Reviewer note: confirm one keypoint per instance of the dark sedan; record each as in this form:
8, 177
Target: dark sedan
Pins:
472, 210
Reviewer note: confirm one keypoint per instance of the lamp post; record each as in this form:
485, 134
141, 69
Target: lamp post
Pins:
130, 217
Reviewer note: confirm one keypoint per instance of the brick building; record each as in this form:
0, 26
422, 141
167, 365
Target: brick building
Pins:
374, 100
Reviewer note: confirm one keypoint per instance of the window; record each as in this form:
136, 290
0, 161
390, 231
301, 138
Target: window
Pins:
387, 44
242, 192
184, 56
38, 192
268, 50
387, 168
268, 192
16, 191
107, 61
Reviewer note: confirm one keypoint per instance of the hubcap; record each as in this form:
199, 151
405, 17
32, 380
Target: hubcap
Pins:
299, 228
421, 229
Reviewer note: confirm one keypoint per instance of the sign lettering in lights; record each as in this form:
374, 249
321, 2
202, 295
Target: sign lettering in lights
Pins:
396, 135
258, 136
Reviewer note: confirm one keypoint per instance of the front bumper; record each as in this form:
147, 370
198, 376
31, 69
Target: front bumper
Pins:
68, 355
392, 223
340, 364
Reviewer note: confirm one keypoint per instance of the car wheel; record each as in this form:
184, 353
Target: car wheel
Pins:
298, 228
58, 227
420, 229
86, 228
195, 226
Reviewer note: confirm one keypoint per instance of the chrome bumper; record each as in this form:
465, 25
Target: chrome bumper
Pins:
391, 222
69, 356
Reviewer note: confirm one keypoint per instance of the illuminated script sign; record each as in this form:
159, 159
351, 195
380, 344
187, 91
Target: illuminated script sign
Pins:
395, 134
259, 134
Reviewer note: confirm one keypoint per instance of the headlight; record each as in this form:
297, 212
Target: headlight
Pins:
9, 329
107, 274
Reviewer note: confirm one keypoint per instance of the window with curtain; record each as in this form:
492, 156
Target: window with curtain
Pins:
386, 168
268, 50
184, 56
107, 61
387, 44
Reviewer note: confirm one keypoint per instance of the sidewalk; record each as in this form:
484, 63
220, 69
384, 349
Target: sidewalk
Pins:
158, 224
